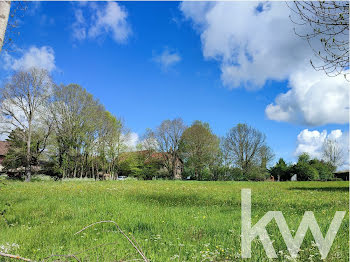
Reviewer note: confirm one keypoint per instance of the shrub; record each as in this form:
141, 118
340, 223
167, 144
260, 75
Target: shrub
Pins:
207, 175
305, 172
257, 174
236, 174
161, 173
188, 173
218, 172
325, 170
281, 171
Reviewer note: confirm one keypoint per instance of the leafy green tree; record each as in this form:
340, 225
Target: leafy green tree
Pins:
16, 155
114, 137
304, 158
77, 119
199, 148
303, 169
281, 171
141, 165
265, 156
324, 169
131, 165
305, 172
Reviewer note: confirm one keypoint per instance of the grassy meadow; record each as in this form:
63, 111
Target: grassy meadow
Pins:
171, 220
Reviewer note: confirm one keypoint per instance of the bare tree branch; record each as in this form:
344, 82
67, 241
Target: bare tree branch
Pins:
328, 33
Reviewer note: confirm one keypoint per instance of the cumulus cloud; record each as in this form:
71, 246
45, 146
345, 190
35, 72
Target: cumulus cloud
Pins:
41, 57
311, 142
167, 59
254, 42
313, 99
109, 18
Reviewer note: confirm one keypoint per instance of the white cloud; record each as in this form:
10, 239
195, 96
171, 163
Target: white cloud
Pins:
251, 46
41, 57
254, 42
79, 26
109, 18
313, 99
167, 59
131, 140
311, 142
196, 11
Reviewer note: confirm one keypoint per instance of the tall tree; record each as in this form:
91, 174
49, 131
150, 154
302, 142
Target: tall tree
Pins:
242, 144
325, 26
148, 141
23, 101
265, 156
113, 137
4, 15
199, 147
77, 117
168, 136
332, 152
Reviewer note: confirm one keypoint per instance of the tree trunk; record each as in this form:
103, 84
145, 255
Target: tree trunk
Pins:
82, 169
28, 171
173, 165
92, 170
75, 170
4, 15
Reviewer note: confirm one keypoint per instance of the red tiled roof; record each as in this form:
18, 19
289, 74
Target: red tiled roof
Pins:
4, 147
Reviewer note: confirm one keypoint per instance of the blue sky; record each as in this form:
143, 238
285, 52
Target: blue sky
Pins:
151, 61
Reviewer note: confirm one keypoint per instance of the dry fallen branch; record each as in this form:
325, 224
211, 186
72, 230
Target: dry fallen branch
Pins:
136, 246
15, 257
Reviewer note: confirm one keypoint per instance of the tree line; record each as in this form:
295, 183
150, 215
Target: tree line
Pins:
65, 132
61, 128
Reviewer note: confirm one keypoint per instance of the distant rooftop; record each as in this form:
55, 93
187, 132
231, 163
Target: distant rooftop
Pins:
4, 145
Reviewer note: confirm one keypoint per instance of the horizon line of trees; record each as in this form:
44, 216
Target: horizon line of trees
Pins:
63, 131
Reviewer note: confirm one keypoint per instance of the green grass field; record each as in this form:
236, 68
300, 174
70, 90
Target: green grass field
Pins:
171, 220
